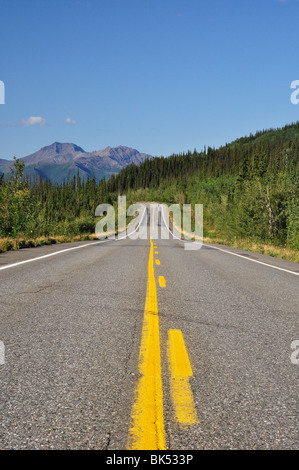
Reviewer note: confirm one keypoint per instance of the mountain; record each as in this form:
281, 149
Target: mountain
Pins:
61, 161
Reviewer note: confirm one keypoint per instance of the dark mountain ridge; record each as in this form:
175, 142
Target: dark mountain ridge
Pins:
61, 161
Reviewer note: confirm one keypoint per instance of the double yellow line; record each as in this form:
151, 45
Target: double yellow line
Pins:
180, 371
147, 431
147, 426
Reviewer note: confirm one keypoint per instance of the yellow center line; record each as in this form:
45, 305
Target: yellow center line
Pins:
180, 371
158, 262
162, 282
156, 252
147, 430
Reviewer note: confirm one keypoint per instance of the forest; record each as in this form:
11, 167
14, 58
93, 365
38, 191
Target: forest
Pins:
249, 189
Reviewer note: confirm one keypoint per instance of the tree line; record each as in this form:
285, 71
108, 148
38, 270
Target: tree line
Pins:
249, 188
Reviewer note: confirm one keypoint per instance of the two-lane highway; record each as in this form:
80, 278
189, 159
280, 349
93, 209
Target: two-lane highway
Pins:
101, 336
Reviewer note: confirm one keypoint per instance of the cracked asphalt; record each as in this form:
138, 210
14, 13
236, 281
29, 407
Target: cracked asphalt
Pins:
71, 325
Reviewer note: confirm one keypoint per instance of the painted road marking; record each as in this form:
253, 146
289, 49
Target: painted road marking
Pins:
55, 253
147, 423
230, 252
156, 252
252, 260
162, 282
180, 371
158, 262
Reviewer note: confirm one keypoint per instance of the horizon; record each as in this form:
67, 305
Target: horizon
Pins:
154, 156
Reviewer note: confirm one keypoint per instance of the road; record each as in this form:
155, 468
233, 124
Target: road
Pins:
131, 344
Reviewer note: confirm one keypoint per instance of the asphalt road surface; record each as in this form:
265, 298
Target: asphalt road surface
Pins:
198, 341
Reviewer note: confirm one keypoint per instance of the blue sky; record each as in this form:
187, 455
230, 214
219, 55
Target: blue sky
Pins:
161, 76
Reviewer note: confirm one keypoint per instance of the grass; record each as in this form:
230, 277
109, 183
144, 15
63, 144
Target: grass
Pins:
211, 236
12, 244
247, 244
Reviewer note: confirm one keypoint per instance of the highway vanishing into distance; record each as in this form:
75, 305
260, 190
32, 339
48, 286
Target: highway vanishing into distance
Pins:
141, 344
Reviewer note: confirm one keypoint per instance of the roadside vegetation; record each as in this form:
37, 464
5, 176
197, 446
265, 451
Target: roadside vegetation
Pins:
249, 190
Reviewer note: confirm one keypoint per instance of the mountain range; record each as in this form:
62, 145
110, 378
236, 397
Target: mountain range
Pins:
61, 161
